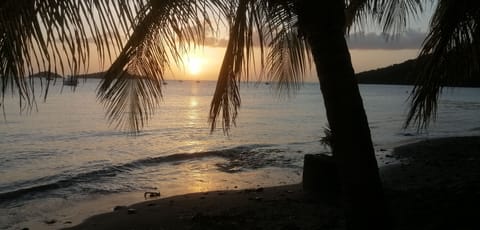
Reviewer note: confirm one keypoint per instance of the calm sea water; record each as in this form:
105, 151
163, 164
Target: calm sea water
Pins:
66, 154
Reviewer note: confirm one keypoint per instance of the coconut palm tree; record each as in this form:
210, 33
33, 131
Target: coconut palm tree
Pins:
143, 39
320, 29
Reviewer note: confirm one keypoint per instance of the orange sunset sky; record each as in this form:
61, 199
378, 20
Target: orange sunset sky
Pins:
369, 48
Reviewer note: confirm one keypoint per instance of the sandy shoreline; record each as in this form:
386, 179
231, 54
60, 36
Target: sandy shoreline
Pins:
436, 185
283, 207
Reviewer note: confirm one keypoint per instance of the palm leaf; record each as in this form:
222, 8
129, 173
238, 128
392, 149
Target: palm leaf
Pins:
452, 54
54, 35
391, 15
132, 87
226, 99
264, 25
288, 57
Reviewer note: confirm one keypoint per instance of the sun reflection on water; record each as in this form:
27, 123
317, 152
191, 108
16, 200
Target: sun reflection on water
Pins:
203, 176
193, 102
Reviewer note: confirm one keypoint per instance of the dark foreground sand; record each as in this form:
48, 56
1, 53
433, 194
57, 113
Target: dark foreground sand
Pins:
436, 186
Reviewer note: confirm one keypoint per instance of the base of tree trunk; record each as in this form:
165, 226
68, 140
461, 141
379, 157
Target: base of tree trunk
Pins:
320, 177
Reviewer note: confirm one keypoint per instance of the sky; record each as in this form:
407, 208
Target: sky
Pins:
369, 49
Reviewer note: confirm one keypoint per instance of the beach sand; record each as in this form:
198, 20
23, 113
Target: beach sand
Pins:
435, 185
284, 207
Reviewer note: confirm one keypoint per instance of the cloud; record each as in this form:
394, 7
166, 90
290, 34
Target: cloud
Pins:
409, 40
223, 42
215, 42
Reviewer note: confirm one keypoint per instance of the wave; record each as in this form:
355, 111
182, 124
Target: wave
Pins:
42, 137
31, 188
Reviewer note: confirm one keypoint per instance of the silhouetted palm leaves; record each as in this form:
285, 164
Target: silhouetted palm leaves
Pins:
266, 25
392, 15
55, 36
144, 39
452, 51
132, 87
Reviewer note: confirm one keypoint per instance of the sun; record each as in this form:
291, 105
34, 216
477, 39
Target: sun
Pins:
194, 65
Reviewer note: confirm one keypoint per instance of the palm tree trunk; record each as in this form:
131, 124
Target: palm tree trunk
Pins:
352, 145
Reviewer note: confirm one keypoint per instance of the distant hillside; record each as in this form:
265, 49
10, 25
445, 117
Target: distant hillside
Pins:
97, 75
401, 74
46, 74
92, 75
52, 75
100, 75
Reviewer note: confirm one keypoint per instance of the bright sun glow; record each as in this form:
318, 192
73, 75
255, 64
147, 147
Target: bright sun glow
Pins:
194, 65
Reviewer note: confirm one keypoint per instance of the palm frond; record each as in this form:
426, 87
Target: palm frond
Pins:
451, 54
258, 25
394, 14
288, 59
391, 15
54, 35
226, 99
358, 12
288, 56
141, 38
132, 87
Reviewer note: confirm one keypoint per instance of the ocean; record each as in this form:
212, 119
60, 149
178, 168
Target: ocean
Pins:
59, 158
